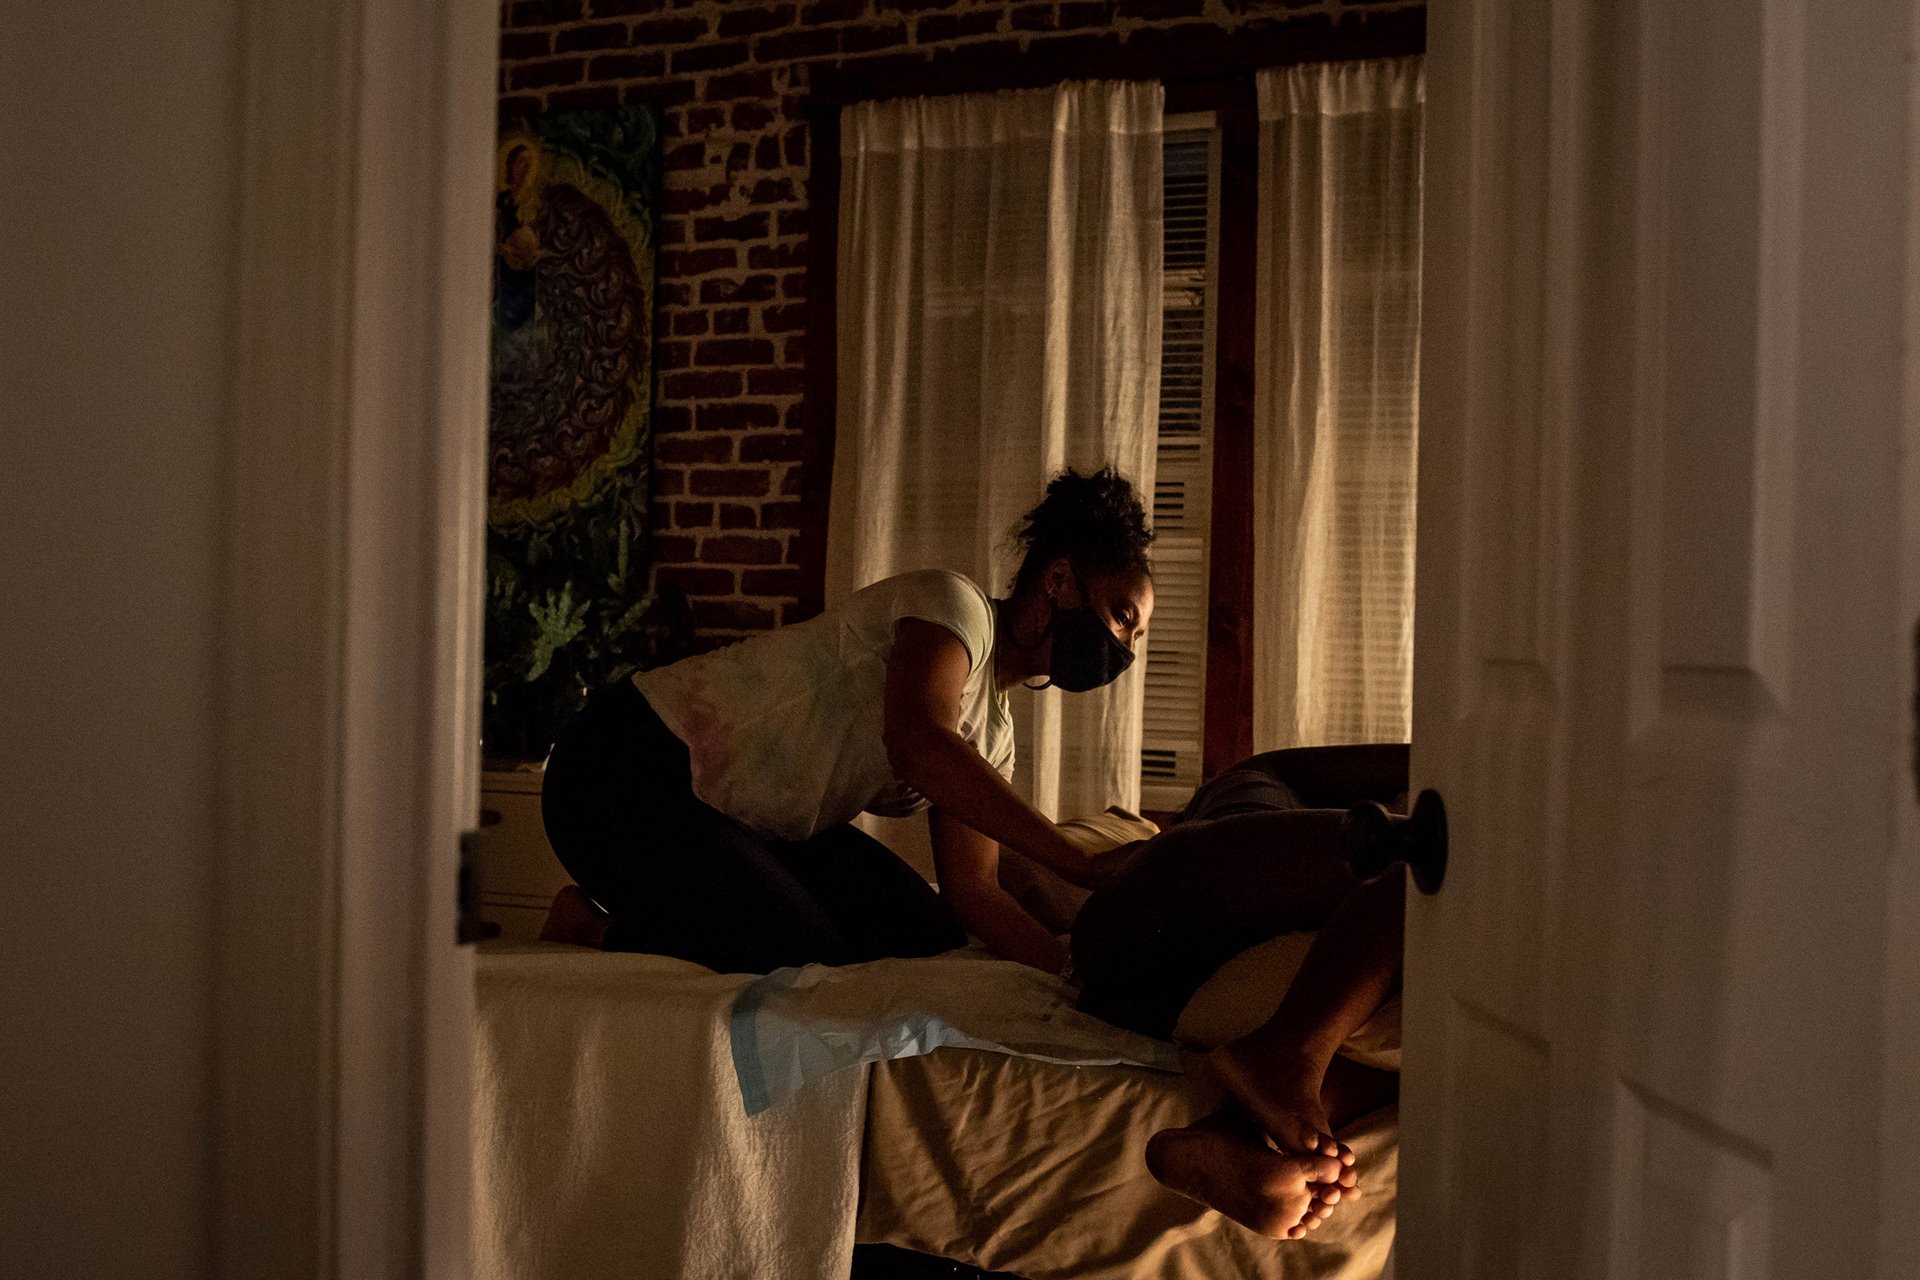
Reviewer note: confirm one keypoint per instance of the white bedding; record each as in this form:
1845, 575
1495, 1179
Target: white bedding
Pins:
609, 1138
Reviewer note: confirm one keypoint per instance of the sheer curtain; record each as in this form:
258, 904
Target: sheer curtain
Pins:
999, 302
1336, 401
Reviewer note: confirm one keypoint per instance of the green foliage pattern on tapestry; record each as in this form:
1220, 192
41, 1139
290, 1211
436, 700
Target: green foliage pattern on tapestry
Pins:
569, 421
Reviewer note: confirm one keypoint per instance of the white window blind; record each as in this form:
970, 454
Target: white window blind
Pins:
1177, 639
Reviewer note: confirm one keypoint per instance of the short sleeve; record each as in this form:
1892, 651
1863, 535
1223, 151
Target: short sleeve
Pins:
952, 601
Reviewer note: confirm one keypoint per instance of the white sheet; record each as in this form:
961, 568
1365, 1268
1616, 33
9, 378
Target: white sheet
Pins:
609, 1139
796, 1025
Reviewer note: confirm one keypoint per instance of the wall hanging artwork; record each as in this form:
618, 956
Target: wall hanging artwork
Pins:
569, 422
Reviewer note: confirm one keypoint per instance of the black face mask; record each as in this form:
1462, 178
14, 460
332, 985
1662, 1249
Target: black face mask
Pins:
1085, 653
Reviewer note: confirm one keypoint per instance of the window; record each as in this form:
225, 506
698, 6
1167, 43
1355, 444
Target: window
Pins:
1174, 720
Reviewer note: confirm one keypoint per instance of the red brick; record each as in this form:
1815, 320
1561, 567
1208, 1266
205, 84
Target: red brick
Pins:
668, 481
1031, 17
874, 37
543, 13
733, 351
626, 8
910, 6
634, 66
772, 191
673, 293
662, 95
698, 448
669, 29
795, 418
514, 110
717, 55
673, 231
751, 117
751, 289
707, 384
833, 10
674, 355
738, 155
674, 548
735, 516
773, 446
792, 222
783, 582
1085, 13
739, 84
699, 582
766, 152
794, 351
782, 515
776, 382
705, 119
743, 20
762, 256
691, 515
515, 45
734, 615
955, 26
731, 320
747, 226
597, 35
544, 75
694, 199
791, 46
796, 145
741, 548
685, 155
672, 417
744, 482
793, 284
698, 262
790, 318
737, 415
593, 97
694, 515
1159, 10
793, 487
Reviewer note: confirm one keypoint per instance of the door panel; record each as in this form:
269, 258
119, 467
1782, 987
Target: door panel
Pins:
1658, 637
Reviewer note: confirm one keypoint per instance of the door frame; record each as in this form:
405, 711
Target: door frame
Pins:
351, 637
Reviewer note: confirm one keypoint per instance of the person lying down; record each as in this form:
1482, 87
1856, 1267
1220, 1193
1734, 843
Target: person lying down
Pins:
1265, 849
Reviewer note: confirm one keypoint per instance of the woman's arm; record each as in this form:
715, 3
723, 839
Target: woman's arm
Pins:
925, 678
968, 865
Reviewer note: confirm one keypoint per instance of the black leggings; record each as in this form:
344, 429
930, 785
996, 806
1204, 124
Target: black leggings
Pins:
680, 878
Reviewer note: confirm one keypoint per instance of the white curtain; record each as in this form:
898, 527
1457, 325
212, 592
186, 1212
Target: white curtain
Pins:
1336, 401
999, 319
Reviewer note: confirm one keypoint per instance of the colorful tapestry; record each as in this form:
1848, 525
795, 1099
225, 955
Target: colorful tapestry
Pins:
569, 418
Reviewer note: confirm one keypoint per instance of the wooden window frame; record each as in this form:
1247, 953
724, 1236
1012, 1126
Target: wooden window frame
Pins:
1211, 72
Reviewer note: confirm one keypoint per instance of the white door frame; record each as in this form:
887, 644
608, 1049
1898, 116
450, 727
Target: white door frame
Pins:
356, 500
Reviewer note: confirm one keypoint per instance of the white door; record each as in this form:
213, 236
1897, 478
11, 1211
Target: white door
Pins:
1652, 1025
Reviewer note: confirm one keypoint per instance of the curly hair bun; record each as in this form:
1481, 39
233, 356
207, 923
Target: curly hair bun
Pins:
1094, 519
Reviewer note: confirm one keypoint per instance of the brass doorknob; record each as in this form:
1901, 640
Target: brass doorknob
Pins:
1373, 838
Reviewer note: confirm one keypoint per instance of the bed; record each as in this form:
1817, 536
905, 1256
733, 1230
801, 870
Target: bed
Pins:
610, 1139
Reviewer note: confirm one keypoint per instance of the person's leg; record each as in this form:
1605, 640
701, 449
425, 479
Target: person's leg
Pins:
880, 905
1291, 1088
1202, 892
1353, 968
674, 876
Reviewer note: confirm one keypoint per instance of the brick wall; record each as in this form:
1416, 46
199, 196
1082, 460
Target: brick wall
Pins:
732, 79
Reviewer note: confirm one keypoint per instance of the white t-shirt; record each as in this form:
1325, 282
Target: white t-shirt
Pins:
784, 729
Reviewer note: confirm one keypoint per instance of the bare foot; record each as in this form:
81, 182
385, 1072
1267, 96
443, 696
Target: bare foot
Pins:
573, 918
1282, 1093
1224, 1166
